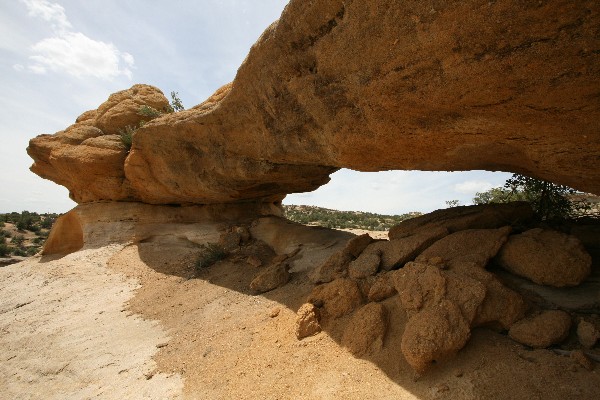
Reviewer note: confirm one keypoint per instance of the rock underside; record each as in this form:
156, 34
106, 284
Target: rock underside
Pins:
369, 86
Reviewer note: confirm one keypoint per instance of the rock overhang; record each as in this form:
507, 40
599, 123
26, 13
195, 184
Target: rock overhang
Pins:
368, 86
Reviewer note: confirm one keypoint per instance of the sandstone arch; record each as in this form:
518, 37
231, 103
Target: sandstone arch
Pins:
379, 85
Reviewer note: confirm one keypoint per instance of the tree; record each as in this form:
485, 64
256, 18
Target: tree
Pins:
176, 104
453, 203
549, 201
499, 195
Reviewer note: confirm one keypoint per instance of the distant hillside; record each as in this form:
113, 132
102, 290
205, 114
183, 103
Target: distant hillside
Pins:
23, 234
310, 215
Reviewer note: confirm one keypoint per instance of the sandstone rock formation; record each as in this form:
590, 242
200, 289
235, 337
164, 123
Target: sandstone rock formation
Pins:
546, 257
447, 290
336, 266
543, 330
366, 330
337, 298
473, 246
370, 86
437, 333
307, 321
88, 157
98, 224
587, 333
485, 216
397, 252
272, 277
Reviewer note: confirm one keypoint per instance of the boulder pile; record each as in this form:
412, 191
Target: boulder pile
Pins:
445, 285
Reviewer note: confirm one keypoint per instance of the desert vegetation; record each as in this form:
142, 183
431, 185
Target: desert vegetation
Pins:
311, 215
210, 253
551, 202
149, 113
23, 234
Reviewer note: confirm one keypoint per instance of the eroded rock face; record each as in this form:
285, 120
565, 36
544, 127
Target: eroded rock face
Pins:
99, 224
543, 330
546, 257
437, 333
307, 321
88, 157
366, 330
370, 86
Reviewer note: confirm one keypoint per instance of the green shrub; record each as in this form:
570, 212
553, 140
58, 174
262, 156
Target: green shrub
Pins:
150, 112
47, 222
499, 195
18, 240
210, 253
176, 104
127, 136
4, 249
549, 200
19, 252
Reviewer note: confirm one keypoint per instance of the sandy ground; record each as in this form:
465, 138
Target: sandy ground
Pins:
139, 322
373, 234
65, 333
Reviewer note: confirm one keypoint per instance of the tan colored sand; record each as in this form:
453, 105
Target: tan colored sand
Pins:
65, 333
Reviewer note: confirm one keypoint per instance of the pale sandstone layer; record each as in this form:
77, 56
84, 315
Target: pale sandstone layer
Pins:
370, 86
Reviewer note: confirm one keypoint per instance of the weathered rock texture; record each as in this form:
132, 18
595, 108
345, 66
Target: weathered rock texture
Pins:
543, 330
547, 258
366, 330
587, 333
98, 224
307, 321
378, 85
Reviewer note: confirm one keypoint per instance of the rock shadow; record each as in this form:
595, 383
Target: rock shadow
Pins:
489, 364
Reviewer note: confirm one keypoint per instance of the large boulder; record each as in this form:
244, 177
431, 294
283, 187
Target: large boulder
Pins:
475, 246
397, 252
435, 334
88, 157
542, 330
454, 219
444, 304
370, 86
336, 266
546, 257
366, 330
337, 298
422, 286
501, 306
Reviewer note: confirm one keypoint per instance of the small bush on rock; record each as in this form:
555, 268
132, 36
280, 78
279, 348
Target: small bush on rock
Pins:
127, 136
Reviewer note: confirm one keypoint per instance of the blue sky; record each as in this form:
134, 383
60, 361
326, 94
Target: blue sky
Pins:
60, 58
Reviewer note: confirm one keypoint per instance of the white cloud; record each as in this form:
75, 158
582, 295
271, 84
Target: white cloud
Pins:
78, 55
50, 12
472, 187
72, 52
